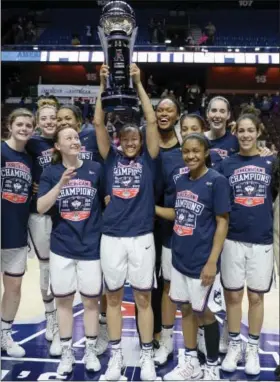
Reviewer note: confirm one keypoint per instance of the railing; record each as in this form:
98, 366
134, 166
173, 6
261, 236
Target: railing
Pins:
147, 47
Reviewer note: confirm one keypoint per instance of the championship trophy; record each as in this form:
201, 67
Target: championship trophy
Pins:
117, 34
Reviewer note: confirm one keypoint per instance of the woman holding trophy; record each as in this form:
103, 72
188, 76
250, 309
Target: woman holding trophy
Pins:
127, 244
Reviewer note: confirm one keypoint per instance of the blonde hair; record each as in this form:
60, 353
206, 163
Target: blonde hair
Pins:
45, 103
56, 155
20, 112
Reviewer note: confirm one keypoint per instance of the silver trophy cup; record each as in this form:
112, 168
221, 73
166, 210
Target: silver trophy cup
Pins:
117, 33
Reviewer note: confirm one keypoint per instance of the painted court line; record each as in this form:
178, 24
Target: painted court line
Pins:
81, 362
43, 330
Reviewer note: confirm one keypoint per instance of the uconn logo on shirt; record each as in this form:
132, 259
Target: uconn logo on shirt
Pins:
16, 181
46, 157
75, 200
183, 170
249, 185
187, 210
126, 183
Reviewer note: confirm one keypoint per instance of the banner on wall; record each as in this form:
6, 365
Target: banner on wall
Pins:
86, 91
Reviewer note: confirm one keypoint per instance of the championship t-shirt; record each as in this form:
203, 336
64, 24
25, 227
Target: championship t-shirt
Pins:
251, 218
173, 167
16, 185
41, 151
129, 182
198, 202
226, 145
77, 220
89, 148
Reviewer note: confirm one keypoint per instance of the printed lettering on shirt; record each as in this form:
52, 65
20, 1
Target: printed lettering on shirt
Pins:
182, 170
75, 200
127, 178
187, 210
84, 154
223, 153
45, 158
16, 182
250, 185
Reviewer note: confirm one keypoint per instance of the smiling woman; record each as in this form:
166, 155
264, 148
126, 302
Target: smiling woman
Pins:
16, 186
71, 187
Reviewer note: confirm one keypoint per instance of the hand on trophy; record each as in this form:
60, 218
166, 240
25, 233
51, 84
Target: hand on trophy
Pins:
104, 74
135, 74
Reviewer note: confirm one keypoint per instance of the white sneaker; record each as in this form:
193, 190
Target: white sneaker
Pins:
252, 360
50, 325
233, 356
12, 348
102, 339
201, 346
148, 371
55, 348
211, 373
224, 339
115, 366
91, 361
67, 360
189, 369
165, 350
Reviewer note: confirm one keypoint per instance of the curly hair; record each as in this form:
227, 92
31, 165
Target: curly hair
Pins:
275, 183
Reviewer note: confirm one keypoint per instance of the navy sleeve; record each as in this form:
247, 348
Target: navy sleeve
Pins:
221, 196
45, 184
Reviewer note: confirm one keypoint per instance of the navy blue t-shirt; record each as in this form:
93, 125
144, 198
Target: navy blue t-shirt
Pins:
129, 182
198, 202
173, 166
16, 185
89, 148
251, 218
41, 151
225, 146
77, 220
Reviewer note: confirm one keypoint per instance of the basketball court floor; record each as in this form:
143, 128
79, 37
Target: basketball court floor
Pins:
37, 365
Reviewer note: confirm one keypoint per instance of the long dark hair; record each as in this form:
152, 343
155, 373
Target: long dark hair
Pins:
275, 182
204, 141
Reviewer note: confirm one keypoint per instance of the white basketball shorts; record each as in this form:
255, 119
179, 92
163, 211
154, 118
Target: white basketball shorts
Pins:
187, 290
166, 263
13, 261
40, 228
130, 259
245, 262
68, 275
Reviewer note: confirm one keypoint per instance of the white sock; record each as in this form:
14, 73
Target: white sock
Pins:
49, 306
167, 332
6, 325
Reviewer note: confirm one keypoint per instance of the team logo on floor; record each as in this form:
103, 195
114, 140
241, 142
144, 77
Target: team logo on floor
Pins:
37, 365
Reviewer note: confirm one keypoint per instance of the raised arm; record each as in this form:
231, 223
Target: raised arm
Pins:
102, 136
152, 138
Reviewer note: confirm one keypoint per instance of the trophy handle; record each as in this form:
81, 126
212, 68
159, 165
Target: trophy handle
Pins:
104, 44
131, 46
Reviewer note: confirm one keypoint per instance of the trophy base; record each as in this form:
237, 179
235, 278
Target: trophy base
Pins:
114, 100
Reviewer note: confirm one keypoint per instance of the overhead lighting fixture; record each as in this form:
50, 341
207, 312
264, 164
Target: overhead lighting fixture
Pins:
229, 50
237, 50
181, 48
35, 47
257, 49
167, 41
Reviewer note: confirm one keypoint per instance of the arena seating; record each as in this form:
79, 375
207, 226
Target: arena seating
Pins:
262, 23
